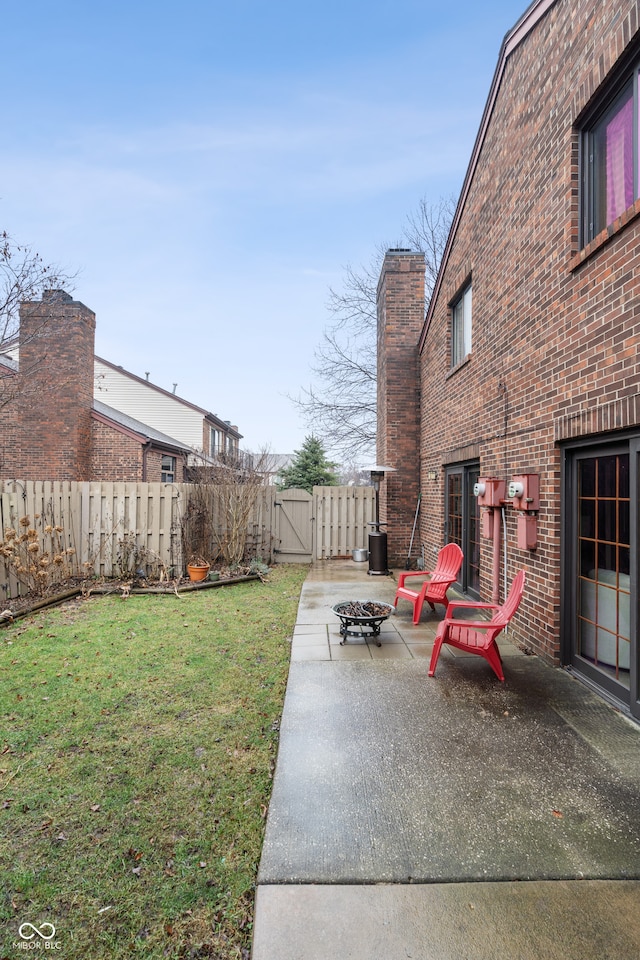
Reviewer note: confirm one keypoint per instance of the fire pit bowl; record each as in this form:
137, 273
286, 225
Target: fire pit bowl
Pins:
362, 618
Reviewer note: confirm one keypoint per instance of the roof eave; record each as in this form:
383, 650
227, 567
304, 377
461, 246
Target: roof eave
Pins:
174, 396
532, 15
152, 386
136, 435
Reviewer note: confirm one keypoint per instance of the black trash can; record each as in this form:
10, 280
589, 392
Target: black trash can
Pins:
378, 553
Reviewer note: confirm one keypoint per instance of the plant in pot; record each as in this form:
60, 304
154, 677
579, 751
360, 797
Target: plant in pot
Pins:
196, 531
197, 567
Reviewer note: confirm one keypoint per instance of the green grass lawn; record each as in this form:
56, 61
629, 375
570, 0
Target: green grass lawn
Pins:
137, 744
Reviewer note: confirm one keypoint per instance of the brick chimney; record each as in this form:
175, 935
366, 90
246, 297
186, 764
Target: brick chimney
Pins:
400, 304
53, 408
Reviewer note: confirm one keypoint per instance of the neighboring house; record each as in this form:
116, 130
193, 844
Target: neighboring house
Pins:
54, 429
204, 433
125, 449
527, 365
277, 462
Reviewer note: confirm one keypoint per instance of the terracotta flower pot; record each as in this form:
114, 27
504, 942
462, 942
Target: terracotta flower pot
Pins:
197, 573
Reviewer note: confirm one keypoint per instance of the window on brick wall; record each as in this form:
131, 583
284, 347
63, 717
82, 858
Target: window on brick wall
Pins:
168, 469
461, 327
610, 156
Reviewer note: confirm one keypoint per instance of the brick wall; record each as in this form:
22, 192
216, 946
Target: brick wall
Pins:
119, 456
400, 303
556, 331
154, 466
116, 455
48, 426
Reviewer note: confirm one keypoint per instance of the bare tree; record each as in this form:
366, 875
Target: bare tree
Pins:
341, 408
427, 231
220, 521
24, 277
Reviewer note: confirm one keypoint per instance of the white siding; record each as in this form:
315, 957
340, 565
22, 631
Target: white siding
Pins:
161, 411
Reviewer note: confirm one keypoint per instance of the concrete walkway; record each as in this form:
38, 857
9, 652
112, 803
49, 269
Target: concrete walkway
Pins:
446, 818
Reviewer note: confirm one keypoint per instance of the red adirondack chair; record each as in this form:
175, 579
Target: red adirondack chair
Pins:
478, 636
433, 590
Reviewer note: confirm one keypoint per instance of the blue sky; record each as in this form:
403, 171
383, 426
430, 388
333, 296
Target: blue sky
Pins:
210, 168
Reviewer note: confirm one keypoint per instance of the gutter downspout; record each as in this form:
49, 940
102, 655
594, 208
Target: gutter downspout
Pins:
145, 449
497, 525
504, 558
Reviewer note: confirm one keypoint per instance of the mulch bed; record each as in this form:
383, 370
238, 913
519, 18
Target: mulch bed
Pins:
19, 607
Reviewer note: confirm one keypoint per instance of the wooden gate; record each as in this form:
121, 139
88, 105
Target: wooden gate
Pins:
293, 526
101, 521
330, 523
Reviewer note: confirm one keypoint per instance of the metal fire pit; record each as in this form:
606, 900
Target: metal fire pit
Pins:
362, 618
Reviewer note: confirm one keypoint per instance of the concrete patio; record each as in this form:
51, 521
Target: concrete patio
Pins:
446, 818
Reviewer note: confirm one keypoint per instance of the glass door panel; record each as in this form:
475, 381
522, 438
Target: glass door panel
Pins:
602, 639
463, 522
473, 535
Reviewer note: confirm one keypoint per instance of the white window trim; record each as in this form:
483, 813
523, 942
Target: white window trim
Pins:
463, 304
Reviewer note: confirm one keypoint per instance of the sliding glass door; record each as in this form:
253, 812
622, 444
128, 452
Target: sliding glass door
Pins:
603, 542
463, 521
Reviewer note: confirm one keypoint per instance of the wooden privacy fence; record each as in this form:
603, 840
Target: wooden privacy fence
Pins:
342, 517
104, 528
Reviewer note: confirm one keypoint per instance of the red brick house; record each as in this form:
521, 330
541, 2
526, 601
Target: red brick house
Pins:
125, 449
54, 429
204, 434
526, 368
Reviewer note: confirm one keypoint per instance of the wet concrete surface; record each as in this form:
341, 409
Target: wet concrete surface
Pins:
575, 920
387, 775
445, 817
